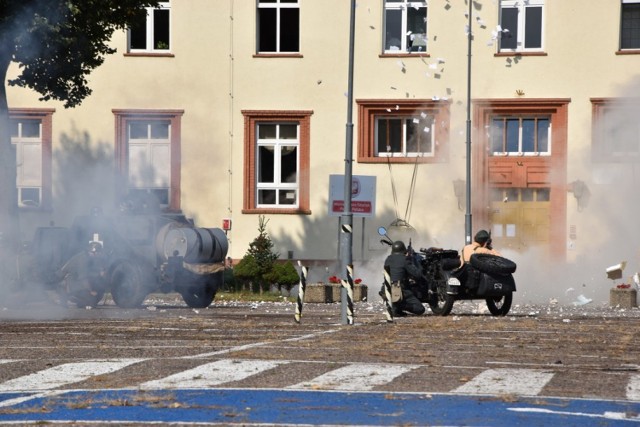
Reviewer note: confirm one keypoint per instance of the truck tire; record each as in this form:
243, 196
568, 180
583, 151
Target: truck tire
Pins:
128, 287
492, 264
198, 296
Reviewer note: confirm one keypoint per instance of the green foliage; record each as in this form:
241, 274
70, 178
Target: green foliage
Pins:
284, 275
258, 263
57, 43
245, 271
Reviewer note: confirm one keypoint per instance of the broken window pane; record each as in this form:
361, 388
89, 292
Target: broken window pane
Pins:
509, 21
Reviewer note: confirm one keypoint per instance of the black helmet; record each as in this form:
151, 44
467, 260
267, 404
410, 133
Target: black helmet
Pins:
482, 237
398, 247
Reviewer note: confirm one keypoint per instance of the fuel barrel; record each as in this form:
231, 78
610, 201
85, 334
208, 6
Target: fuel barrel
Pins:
195, 244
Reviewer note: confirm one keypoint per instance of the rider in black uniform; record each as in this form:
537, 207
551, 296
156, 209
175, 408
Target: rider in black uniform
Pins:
401, 268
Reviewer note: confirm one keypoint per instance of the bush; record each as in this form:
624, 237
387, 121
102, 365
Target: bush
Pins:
284, 275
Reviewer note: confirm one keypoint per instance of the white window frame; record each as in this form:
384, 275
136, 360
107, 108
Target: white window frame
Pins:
403, 6
276, 144
420, 127
166, 5
520, 152
278, 5
521, 5
29, 165
150, 147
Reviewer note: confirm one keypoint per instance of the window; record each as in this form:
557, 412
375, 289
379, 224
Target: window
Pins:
520, 135
278, 26
402, 131
402, 137
522, 25
630, 25
148, 154
153, 33
31, 134
277, 164
277, 161
616, 130
405, 25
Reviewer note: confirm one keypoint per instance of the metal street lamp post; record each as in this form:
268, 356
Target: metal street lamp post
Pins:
467, 217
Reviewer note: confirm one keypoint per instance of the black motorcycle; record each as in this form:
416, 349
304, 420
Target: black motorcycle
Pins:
446, 280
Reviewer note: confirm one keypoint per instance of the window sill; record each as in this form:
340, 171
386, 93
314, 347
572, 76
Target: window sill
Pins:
150, 54
404, 55
275, 211
525, 53
278, 55
409, 160
628, 52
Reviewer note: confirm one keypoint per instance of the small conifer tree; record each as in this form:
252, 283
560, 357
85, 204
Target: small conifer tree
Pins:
257, 265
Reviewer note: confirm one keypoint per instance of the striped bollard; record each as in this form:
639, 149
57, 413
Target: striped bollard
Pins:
387, 295
348, 284
303, 284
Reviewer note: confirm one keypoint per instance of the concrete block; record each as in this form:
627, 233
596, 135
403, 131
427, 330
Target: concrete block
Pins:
330, 292
623, 298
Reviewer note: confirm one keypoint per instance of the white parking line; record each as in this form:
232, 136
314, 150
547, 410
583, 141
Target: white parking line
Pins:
633, 387
525, 382
355, 377
64, 374
212, 374
257, 344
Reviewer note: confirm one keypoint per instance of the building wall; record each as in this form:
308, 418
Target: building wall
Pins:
214, 74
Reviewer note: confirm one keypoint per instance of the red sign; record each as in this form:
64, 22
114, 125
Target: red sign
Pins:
356, 206
226, 224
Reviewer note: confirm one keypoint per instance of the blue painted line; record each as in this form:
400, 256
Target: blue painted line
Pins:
259, 406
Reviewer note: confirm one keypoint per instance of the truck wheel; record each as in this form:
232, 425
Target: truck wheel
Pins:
500, 306
127, 285
198, 296
492, 264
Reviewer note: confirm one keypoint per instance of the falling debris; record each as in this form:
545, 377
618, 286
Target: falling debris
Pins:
582, 300
615, 271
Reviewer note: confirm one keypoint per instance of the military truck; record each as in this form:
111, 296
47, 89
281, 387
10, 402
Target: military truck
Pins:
137, 251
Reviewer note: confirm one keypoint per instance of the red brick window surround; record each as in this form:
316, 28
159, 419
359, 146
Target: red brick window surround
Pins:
156, 134
31, 133
277, 161
403, 131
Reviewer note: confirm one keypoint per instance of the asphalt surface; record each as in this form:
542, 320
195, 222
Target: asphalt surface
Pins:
545, 351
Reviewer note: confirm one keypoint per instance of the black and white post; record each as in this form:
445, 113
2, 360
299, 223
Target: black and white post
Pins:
387, 295
301, 288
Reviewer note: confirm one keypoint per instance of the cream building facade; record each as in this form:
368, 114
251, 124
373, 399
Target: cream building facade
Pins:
238, 108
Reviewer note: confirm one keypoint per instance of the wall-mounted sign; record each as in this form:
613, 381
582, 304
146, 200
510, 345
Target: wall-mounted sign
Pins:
363, 195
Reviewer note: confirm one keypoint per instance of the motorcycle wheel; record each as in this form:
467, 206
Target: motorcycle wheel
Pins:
500, 306
440, 302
